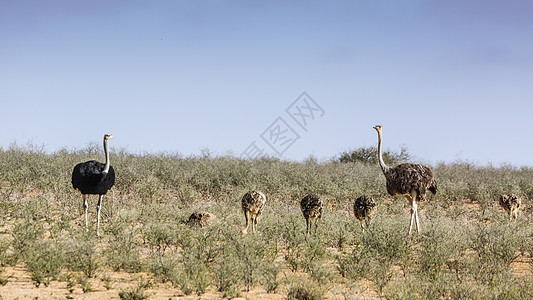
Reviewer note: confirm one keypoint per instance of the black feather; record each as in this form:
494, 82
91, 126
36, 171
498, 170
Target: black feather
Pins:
89, 178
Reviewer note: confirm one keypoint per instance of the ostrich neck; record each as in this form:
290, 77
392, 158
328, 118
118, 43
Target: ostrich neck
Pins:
107, 163
382, 164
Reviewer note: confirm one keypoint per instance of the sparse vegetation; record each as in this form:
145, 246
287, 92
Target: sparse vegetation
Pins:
468, 247
370, 155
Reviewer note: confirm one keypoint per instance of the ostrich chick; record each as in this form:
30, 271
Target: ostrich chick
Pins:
364, 209
511, 204
253, 203
311, 206
200, 219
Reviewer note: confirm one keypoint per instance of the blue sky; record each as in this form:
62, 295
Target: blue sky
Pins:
449, 80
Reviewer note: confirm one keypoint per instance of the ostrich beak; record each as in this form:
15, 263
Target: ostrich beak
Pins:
111, 137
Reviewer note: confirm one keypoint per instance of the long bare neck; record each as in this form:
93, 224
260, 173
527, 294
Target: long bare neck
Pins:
382, 164
107, 163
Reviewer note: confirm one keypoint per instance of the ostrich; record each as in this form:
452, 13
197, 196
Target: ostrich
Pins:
364, 209
510, 203
201, 219
408, 180
312, 207
94, 178
253, 203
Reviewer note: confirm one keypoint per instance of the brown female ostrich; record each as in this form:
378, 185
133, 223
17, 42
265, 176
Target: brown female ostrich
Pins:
510, 203
312, 207
364, 208
408, 180
253, 203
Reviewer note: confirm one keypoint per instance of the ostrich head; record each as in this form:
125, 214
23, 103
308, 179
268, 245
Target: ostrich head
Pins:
107, 136
377, 128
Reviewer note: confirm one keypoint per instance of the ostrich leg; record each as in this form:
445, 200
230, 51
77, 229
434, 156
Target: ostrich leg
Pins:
412, 198
415, 206
254, 224
98, 207
421, 198
85, 206
366, 224
247, 216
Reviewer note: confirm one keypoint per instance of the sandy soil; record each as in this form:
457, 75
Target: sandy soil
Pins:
20, 286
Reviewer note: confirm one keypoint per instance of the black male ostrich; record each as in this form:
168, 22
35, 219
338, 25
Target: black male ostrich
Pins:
94, 178
408, 180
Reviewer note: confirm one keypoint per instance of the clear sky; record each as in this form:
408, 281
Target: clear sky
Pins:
450, 80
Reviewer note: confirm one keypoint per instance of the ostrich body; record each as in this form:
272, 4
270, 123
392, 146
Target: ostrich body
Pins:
364, 209
253, 203
408, 180
94, 178
311, 206
200, 219
511, 204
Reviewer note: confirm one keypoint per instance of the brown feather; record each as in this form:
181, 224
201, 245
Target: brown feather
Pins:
253, 203
364, 207
311, 206
201, 219
511, 204
404, 178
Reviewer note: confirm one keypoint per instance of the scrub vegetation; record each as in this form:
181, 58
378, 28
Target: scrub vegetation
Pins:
467, 248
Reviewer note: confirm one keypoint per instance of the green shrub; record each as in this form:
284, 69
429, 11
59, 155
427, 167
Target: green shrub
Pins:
269, 273
137, 293
498, 243
194, 276
159, 236
293, 238
164, 267
383, 246
303, 289
226, 273
84, 283
249, 252
44, 261
122, 252
352, 265
440, 245
370, 155
386, 239
81, 252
